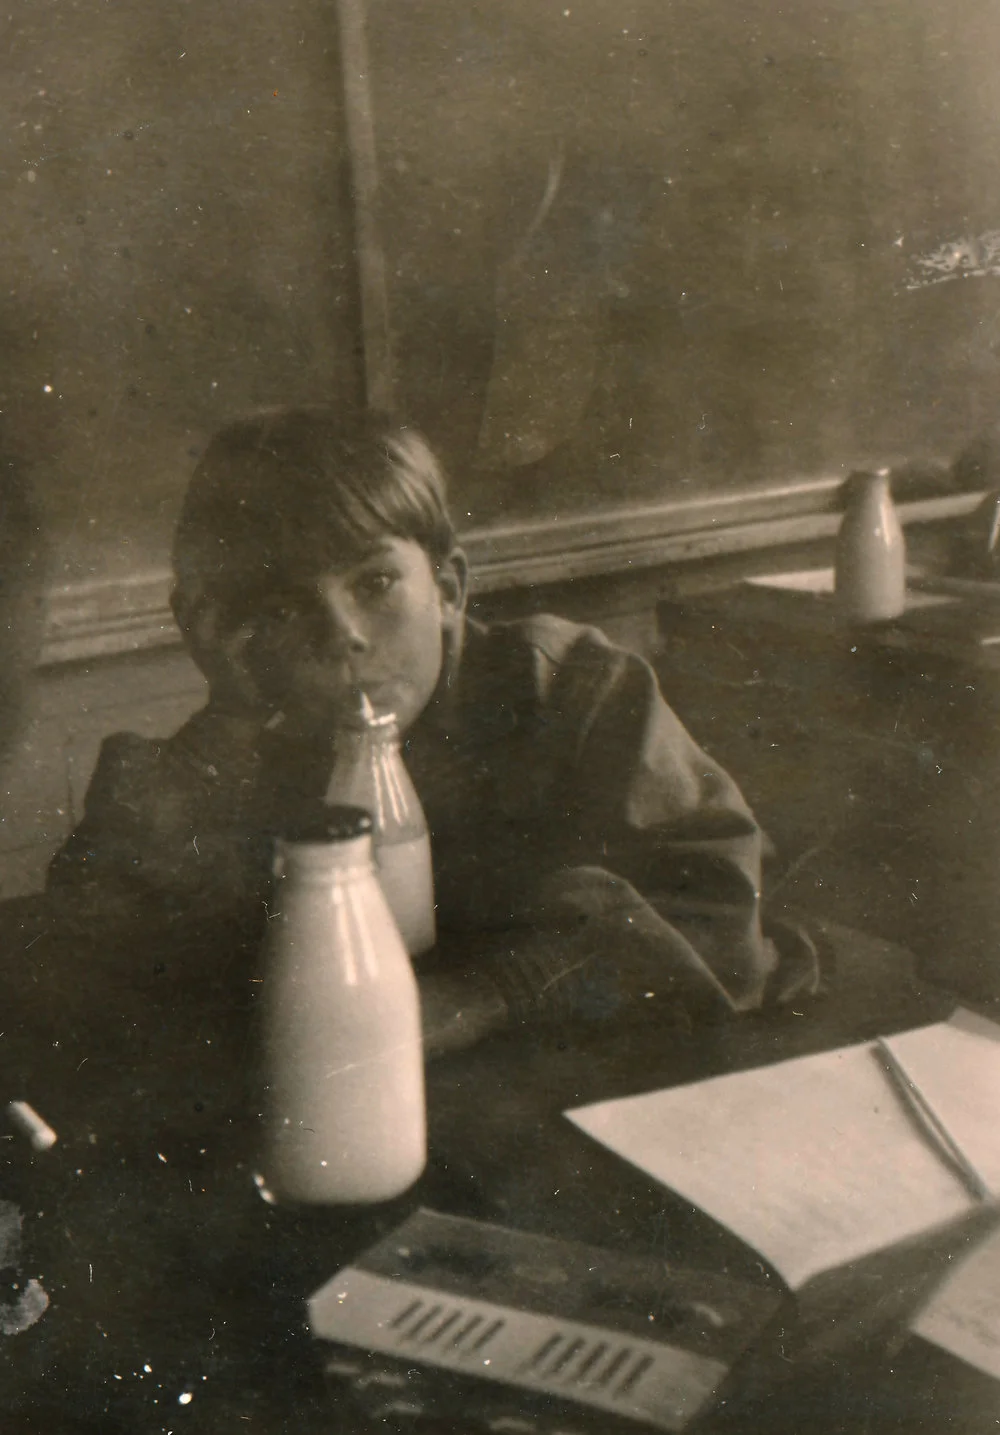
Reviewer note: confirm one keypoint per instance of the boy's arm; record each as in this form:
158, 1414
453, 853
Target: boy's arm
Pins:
661, 902
459, 1009
162, 818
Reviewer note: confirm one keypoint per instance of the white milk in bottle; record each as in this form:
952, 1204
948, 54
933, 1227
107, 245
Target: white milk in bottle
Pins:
345, 1116
369, 772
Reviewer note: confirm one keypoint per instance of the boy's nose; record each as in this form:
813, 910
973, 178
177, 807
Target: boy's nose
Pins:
344, 632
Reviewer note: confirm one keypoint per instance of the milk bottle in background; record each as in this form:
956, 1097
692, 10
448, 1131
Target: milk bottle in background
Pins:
344, 1115
369, 772
870, 565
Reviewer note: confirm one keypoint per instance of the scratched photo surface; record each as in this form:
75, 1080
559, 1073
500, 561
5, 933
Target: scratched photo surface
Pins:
656, 280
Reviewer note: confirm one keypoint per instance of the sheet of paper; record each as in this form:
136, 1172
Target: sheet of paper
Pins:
964, 1316
812, 1162
805, 580
821, 580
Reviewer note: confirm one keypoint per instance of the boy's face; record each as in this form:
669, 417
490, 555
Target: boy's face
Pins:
376, 625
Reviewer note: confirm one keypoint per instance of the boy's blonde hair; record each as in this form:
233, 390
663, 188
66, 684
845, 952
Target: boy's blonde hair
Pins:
295, 490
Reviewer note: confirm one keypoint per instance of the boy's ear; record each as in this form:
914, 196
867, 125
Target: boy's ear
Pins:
453, 584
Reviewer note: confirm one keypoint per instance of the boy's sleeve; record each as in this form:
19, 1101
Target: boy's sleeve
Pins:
151, 823
661, 898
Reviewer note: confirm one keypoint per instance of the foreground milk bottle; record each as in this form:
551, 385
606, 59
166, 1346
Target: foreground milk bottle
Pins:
345, 1117
369, 772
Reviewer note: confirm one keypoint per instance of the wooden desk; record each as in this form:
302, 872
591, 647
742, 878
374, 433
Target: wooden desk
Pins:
157, 1248
872, 757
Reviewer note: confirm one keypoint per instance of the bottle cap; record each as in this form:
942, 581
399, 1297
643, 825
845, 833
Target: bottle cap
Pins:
324, 822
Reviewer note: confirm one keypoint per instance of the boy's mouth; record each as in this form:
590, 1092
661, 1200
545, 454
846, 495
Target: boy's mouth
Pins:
342, 696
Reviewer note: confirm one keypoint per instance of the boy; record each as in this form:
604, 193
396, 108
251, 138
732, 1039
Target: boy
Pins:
587, 853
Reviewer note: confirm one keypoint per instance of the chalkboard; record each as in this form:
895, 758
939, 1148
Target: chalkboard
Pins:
633, 252
687, 247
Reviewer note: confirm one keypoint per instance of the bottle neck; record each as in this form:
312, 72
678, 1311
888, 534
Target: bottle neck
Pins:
369, 772
347, 859
366, 740
868, 488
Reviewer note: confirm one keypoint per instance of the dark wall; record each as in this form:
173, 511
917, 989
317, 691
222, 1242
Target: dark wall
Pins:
176, 247
635, 250
719, 292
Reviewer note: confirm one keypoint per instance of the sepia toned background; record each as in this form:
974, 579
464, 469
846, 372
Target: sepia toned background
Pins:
633, 251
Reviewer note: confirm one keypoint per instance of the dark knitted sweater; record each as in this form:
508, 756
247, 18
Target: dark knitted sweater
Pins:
579, 833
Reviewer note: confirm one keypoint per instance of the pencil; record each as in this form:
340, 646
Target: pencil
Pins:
931, 1122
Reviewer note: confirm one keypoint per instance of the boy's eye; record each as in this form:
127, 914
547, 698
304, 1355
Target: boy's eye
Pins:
376, 583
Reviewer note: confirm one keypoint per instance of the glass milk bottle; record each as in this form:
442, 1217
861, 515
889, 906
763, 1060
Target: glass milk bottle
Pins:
345, 1117
369, 772
870, 565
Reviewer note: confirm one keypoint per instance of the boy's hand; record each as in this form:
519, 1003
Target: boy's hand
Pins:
221, 652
